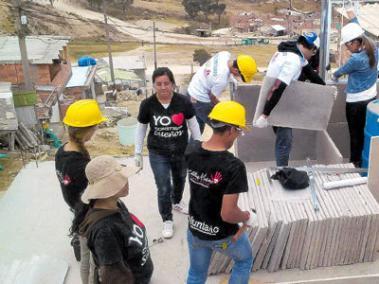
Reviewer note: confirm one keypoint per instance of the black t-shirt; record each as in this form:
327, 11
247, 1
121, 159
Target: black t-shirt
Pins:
168, 128
121, 238
212, 174
70, 168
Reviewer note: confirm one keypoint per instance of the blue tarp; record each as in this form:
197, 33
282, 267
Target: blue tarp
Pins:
86, 61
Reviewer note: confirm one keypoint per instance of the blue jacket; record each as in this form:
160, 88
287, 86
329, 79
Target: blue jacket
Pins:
361, 75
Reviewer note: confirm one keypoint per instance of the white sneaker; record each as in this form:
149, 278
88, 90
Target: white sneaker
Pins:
168, 229
181, 207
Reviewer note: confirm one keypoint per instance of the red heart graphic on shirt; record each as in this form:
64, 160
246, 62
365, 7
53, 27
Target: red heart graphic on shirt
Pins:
178, 118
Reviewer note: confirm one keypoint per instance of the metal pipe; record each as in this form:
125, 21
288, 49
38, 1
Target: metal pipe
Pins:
326, 12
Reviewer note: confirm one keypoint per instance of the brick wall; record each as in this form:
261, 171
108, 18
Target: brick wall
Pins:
40, 73
43, 74
62, 77
11, 73
76, 93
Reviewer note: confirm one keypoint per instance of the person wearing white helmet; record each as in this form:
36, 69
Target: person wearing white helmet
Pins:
285, 66
362, 72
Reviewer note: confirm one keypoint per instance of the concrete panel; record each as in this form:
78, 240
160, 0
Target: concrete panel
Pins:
338, 111
339, 132
258, 145
326, 150
303, 105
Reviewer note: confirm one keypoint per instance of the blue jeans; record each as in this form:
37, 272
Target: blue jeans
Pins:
200, 252
202, 111
170, 176
283, 145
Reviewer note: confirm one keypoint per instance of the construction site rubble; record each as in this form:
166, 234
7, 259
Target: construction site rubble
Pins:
290, 233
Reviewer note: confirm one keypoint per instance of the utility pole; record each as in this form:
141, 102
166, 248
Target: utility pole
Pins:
109, 46
155, 47
21, 32
326, 12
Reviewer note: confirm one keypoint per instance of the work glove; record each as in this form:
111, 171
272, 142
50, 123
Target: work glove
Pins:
333, 78
138, 160
252, 219
261, 122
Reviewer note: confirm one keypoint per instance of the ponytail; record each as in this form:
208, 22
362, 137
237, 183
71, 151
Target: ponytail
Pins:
80, 210
369, 47
76, 135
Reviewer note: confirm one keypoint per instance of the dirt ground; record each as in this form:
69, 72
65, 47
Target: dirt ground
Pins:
12, 165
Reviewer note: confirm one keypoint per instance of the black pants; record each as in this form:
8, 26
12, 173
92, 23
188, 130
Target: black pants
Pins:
356, 119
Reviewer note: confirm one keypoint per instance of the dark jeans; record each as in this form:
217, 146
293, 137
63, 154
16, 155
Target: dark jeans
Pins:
202, 111
283, 145
356, 119
170, 176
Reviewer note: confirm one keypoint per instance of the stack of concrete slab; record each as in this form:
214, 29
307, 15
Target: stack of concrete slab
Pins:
290, 233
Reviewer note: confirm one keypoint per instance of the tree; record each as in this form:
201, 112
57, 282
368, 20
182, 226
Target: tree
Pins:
52, 2
207, 7
218, 9
125, 4
192, 7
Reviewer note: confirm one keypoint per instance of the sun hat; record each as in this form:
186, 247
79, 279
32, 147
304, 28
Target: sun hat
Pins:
106, 177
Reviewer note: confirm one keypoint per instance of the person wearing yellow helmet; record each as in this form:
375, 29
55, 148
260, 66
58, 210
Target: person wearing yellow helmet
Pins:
286, 65
213, 77
216, 179
82, 118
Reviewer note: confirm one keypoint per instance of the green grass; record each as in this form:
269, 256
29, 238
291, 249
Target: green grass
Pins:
78, 48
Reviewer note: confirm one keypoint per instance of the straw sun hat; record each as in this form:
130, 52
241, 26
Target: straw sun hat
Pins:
106, 177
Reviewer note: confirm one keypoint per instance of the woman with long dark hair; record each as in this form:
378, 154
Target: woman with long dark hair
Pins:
362, 72
82, 118
169, 116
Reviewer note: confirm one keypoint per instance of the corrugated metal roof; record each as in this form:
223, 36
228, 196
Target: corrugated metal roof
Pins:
128, 62
41, 49
368, 18
80, 76
278, 28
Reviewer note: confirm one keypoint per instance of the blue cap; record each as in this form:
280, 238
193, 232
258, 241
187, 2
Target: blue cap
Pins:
312, 39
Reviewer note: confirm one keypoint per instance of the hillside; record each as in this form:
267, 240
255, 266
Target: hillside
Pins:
45, 20
174, 9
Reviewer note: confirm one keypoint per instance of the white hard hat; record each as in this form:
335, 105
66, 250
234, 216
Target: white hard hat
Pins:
351, 31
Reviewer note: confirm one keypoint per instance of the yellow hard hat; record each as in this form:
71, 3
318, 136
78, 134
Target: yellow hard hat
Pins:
229, 112
83, 113
247, 67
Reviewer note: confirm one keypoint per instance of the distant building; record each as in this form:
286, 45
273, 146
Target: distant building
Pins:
135, 63
245, 22
50, 70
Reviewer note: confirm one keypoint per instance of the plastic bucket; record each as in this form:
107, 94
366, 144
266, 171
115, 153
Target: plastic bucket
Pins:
371, 127
127, 130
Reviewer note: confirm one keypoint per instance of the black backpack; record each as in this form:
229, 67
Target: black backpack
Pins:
291, 178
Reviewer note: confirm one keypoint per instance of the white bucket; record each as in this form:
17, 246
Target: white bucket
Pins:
127, 130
